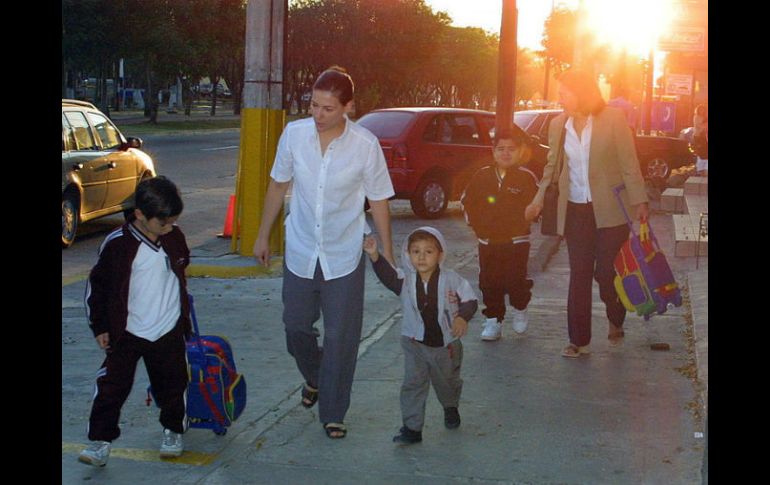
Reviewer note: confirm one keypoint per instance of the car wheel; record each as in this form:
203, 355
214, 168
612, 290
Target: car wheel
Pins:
657, 168
430, 199
70, 215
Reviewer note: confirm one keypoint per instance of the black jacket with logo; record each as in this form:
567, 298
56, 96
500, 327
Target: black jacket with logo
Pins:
494, 207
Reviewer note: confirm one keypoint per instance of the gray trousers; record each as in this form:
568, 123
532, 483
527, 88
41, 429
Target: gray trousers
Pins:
424, 366
341, 301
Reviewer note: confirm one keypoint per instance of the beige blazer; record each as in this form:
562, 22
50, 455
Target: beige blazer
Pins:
612, 161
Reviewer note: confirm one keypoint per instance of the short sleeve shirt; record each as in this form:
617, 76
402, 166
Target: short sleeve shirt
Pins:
326, 221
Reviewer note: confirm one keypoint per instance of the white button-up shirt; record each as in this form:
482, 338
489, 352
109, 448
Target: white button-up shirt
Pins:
577, 151
326, 221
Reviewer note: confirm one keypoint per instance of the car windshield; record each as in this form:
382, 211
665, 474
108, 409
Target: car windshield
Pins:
386, 124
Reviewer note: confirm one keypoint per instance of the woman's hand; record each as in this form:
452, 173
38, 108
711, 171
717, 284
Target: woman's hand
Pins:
642, 211
532, 211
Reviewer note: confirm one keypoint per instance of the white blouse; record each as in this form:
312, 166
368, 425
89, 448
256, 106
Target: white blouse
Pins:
326, 221
577, 152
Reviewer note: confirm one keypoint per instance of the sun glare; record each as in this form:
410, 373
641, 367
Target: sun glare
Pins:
634, 25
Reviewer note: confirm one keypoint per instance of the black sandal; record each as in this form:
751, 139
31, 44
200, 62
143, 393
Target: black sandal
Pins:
335, 430
309, 396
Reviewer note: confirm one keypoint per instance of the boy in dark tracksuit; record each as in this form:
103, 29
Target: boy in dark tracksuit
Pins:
494, 203
136, 301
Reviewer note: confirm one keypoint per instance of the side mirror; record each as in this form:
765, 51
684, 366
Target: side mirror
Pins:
133, 142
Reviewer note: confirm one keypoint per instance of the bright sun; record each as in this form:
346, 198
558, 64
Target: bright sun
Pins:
631, 24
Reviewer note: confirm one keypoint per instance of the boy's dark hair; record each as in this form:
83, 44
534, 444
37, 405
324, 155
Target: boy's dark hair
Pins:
338, 82
421, 235
517, 137
158, 197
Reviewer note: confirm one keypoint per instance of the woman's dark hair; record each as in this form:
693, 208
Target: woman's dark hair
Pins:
158, 197
338, 82
584, 86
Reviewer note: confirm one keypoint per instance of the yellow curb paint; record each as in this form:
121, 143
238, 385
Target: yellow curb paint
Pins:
220, 271
73, 279
188, 457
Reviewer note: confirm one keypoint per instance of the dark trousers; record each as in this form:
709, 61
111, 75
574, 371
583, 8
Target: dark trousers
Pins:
166, 363
591, 254
503, 270
341, 301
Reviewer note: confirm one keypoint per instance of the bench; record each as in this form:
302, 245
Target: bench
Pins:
696, 186
672, 200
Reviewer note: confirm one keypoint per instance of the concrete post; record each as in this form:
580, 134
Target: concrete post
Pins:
262, 121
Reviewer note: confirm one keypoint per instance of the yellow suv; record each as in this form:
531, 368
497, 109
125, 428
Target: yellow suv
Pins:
100, 168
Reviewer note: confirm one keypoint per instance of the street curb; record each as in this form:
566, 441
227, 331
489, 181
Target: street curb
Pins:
235, 270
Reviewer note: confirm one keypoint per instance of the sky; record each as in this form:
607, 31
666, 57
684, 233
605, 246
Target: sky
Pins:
486, 14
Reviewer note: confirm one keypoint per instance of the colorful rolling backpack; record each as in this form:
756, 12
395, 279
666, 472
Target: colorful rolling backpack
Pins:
644, 281
216, 393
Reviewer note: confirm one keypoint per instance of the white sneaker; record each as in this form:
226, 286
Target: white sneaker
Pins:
96, 454
520, 320
493, 329
171, 445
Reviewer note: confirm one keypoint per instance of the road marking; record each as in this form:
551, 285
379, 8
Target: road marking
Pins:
188, 457
218, 148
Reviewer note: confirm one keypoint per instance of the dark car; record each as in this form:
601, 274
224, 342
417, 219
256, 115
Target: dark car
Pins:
100, 168
433, 152
658, 155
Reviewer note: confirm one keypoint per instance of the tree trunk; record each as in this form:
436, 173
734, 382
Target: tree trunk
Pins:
151, 98
214, 84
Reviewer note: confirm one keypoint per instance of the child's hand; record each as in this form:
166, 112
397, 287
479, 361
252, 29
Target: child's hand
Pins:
452, 297
370, 248
103, 340
459, 327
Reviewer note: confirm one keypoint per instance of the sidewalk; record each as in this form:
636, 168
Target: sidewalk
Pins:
626, 415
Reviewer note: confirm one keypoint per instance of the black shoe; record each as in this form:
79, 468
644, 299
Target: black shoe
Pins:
408, 436
451, 418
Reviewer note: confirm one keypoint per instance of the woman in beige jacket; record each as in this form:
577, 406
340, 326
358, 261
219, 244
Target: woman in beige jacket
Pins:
599, 154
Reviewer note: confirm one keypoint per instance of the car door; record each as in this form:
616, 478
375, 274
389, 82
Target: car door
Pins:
120, 164
81, 161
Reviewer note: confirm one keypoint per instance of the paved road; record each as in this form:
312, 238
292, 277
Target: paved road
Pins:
203, 165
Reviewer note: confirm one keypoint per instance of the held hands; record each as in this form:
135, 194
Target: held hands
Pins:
459, 327
370, 248
642, 211
532, 211
103, 340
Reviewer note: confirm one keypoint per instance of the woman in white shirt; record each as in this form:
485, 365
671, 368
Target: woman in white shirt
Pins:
599, 155
334, 165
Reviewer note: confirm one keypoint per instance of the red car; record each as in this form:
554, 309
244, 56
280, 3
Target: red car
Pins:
433, 152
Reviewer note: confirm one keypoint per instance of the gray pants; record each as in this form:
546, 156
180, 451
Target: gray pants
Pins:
424, 366
342, 302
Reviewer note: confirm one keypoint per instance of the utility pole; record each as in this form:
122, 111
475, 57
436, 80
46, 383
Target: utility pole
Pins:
262, 121
547, 69
506, 75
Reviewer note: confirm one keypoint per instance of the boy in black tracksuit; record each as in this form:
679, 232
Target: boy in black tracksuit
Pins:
137, 306
494, 203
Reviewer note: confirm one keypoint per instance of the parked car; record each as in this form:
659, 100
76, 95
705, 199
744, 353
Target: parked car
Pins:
658, 155
433, 152
100, 168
